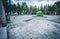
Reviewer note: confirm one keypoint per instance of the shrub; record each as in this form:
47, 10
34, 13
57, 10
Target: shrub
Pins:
39, 13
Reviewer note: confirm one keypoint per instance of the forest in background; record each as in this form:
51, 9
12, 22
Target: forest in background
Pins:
23, 8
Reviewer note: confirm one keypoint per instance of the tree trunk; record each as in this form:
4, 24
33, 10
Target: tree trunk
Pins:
2, 14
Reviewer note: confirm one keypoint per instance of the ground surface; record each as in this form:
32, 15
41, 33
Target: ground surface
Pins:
3, 33
33, 27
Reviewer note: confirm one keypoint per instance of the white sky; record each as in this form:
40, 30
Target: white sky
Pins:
36, 2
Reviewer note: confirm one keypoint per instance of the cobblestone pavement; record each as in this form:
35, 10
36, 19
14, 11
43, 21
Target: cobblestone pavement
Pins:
33, 27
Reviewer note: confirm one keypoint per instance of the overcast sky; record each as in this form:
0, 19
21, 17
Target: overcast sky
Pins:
36, 2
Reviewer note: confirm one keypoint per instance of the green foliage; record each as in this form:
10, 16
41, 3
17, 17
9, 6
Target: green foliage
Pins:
39, 13
19, 9
24, 7
55, 8
13, 8
34, 9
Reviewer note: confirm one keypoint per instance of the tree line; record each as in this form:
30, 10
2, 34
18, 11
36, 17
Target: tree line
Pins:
53, 9
23, 8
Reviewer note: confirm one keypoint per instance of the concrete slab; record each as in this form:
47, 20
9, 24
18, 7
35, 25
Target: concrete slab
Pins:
36, 28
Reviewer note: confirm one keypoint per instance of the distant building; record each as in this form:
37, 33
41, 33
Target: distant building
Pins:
2, 14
